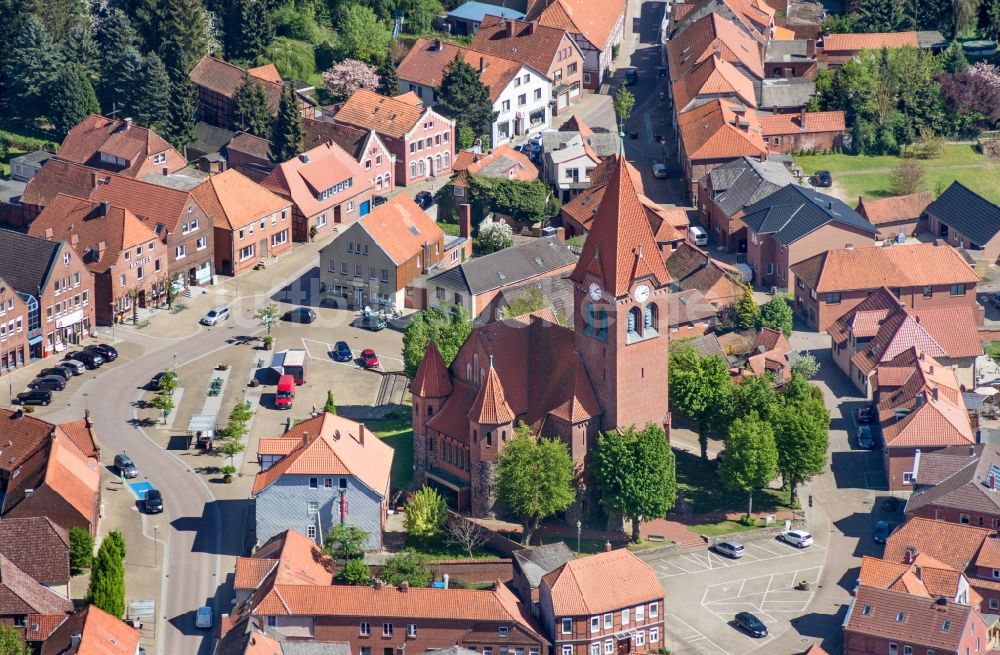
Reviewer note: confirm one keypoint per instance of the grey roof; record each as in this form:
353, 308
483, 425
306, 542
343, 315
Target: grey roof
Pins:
794, 211
704, 8
708, 345
237, 640
688, 306
36, 158
316, 648
791, 92
967, 212
498, 167
787, 51
536, 562
208, 139
605, 144
508, 266
450, 650
27, 261
931, 39
11, 191
746, 180
967, 488
183, 180
557, 290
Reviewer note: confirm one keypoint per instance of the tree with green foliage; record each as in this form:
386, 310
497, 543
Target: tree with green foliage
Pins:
463, 97
466, 137
776, 313
751, 460
164, 403
30, 68
81, 551
362, 35
755, 394
952, 59
447, 329
71, 98
180, 128
267, 317
123, 80
407, 567
329, 406
805, 366
534, 479
81, 48
251, 110
745, 314
426, 514
107, 579
247, 29
623, 103
388, 78
116, 542
295, 60
346, 544
181, 35
287, 133
355, 572
908, 177
10, 641
421, 14
531, 300
152, 107
801, 434
233, 444
636, 474
701, 390
880, 15
522, 200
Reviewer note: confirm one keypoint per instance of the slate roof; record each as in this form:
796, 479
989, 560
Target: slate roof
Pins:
966, 212
27, 261
692, 268
508, 266
537, 561
958, 478
787, 51
743, 181
603, 582
785, 92
208, 139
794, 211
707, 345
534, 44
38, 547
351, 139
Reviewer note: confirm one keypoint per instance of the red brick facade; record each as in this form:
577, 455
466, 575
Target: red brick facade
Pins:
14, 349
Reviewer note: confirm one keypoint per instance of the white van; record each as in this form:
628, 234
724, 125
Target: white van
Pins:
697, 235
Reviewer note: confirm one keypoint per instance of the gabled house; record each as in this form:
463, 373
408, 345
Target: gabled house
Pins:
92, 630
963, 218
421, 140
327, 187
119, 146
533, 564
712, 134
710, 79
31, 608
919, 575
754, 17
569, 160
612, 600
127, 260
26, 166
897, 215
691, 268
879, 328
807, 130
960, 484
921, 275
795, 223
786, 59
250, 155
837, 49
320, 464
520, 93
502, 162
769, 354
40, 548
365, 144
15, 349
287, 558
374, 261
549, 50
710, 36
596, 26
728, 189
690, 315
251, 224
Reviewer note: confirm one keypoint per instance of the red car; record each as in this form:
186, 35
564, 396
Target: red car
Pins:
369, 359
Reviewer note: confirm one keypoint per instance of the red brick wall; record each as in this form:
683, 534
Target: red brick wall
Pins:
66, 298
582, 636
14, 349
805, 141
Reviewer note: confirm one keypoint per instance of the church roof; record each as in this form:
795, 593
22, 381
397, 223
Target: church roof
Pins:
490, 406
620, 248
432, 379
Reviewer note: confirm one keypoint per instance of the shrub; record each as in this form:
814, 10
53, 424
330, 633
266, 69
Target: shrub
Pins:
294, 59
407, 567
81, 550
426, 514
355, 572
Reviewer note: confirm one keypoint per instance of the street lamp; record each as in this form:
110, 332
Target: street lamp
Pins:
579, 526
175, 362
156, 529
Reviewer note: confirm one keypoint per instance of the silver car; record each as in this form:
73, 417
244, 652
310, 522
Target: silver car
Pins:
78, 367
733, 549
216, 315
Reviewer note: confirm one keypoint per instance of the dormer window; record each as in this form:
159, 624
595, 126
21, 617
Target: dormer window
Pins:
107, 158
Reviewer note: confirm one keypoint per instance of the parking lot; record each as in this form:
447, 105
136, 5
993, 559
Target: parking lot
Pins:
705, 590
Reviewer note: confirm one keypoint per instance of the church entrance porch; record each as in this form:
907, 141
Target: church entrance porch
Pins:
454, 490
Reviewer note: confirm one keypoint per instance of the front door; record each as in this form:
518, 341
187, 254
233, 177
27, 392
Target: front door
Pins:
263, 248
359, 297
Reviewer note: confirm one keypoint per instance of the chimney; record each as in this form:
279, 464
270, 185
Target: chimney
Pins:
361, 433
437, 45
922, 356
607, 546
74, 239
811, 48
101, 247
909, 555
531, 27
93, 180
848, 246
991, 482
509, 28
86, 418
919, 397
465, 220
445, 577
305, 438
304, 158
938, 242
128, 123
802, 118
561, 234
919, 572
829, 204
378, 585
49, 233
74, 640
105, 207
934, 392
166, 171
404, 586
482, 65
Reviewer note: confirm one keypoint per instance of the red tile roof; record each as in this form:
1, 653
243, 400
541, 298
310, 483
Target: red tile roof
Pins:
595, 20
401, 228
225, 79
816, 122
918, 416
490, 406
232, 200
713, 77
849, 43
99, 633
426, 61
532, 43
22, 594
713, 35
96, 134
22, 437
922, 621
303, 178
250, 572
74, 477
721, 129
954, 544
602, 583
38, 547
620, 248
287, 558
386, 115
268, 72
881, 211
432, 379
81, 433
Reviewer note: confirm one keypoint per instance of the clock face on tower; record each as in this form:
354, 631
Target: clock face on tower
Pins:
595, 291
641, 293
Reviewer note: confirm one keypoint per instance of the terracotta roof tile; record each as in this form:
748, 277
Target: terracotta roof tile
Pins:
531, 43
425, 64
23, 436
41, 626
266, 72
352, 139
250, 572
58, 176
713, 77
225, 79
410, 98
38, 547
846, 43
692, 268
816, 122
386, 115
594, 19
490, 407
710, 131
74, 477
922, 622
432, 379
880, 211
81, 433
295, 560
954, 544
233, 200
99, 634
22, 594
602, 583
302, 178
96, 134
713, 35
401, 228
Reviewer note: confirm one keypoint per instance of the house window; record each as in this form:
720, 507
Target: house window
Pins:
128, 255
314, 483
654, 610
503, 631
595, 623
201, 243
633, 322
609, 647
586, 78
272, 621
908, 477
343, 483
893, 649
833, 298
928, 291
385, 275
138, 273
279, 238
357, 270
366, 628
328, 483
866, 610
247, 252
180, 252
572, 69
522, 100
386, 629
411, 630
994, 604
320, 222
567, 626
595, 648
609, 620
343, 268
311, 531
640, 611
625, 616
538, 94
640, 638
957, 290
566, 650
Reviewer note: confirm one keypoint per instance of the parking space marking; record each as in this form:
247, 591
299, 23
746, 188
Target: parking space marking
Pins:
695, 636
691, 563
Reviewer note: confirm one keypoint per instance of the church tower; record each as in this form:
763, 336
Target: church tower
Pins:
620, 308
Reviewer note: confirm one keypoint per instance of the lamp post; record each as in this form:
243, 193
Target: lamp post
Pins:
156, 529
175, 361
579, 527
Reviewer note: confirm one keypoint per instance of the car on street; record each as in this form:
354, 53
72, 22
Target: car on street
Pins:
75, 367
424, 199
659, 170
61, 371
342, 352
34, 397
865, 437
369, 359
299, 315
203, 618
733, 549
50, 382
866, 414
372, 322
110, 353
751, 624
215, 315
822, 179
90, 360
631, 76
797, 538
881, 533
378, 201
152, 502
125, 466
156, 384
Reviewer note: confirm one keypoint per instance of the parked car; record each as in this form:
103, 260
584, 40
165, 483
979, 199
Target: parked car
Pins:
993, 298
881, 533
733, 549
631, 76
60, 371
34, 397
203, 618
369, 359
378, 201
797, 538
74, 366
865, 437
153, 502
659, 170
372, 322
215, 315
299, 315
90, 360
159, 379
822, 179
342, 352
125, 466
50, 382
866, 414
109, 353
753, 626
424, 199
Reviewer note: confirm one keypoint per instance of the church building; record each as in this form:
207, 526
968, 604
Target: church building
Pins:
607, 371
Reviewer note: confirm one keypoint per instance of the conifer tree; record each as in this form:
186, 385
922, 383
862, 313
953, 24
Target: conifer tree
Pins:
30, 67
247, 30
107, 577
152, 106
388, 79
287, 134
71, 98
463, 97
251, 110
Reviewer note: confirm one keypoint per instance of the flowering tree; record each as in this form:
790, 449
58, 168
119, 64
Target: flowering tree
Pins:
495, 235
974, 96
346, 77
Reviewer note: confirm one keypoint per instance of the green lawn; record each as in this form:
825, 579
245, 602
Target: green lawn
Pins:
451, 229
398, 433
871, 177
724, 527
702, 489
